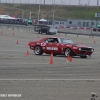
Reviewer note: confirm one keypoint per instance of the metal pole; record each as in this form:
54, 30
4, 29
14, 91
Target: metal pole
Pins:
22, 14
44, 2
54, 13
97, 3
28, 1
30, 14
20, 1
39, 13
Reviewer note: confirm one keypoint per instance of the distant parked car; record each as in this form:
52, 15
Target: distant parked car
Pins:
44, 29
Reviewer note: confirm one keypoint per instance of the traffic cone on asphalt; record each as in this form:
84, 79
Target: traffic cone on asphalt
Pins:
1, 32
69, 58
5, 36
92, 36
17, 42
94, 42
13, 33
27, 53
38, 36
12, 28
51, 59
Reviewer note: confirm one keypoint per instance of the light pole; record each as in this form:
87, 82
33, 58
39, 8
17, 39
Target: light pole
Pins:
70, 2
22, 14
13, 1
79, 2
53, 13
39, 13
30, 14
20, 1
97, 3
44, 2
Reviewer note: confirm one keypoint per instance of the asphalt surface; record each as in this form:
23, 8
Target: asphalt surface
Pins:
35, 79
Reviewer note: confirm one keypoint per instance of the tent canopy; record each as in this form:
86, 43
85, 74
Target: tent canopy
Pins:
43, 20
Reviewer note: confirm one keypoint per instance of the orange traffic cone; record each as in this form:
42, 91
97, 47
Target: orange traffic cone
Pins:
27, 53
1, 32
69, 58
17, 42
94, 41
38, 36
51, 59
13, 33
92, 36
5, 36
12, 28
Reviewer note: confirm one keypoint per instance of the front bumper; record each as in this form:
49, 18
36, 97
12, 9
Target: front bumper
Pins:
84, 53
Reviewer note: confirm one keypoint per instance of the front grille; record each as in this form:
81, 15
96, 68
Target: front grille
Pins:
86, 49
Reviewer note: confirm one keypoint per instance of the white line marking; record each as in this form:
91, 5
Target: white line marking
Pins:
25, 63
49, 79
13, 50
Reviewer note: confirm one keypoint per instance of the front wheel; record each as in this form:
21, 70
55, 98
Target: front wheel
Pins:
68, 51
38, 50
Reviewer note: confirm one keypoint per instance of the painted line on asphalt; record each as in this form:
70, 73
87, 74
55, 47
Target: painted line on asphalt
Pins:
25, 63
14, 50
49, 79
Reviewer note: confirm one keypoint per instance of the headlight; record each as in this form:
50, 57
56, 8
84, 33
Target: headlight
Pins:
92, 50
79, 48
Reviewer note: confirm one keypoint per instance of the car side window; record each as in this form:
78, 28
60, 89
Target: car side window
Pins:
51, 40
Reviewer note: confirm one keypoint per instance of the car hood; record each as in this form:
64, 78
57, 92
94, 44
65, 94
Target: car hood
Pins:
81, 46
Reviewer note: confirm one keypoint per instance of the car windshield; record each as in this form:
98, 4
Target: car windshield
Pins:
66, 41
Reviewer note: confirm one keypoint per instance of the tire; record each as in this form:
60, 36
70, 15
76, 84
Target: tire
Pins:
68, 51
83, 56
38, 50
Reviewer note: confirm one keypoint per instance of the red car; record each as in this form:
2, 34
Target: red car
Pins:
60, 46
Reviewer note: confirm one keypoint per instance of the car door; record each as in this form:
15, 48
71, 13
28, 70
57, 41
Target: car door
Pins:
52, 46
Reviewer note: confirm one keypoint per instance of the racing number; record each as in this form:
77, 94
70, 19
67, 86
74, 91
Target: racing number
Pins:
43, 44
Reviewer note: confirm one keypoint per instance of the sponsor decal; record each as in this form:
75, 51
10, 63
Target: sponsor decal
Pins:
51, 48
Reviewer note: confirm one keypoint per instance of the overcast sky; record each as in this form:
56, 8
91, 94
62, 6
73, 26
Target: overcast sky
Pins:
63, 2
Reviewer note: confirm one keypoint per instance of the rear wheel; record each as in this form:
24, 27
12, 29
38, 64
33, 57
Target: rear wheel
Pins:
38, 50
68, 51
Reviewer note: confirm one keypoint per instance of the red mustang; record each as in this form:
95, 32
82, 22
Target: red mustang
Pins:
60, 46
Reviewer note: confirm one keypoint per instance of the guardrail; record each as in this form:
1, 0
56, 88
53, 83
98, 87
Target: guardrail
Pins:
87, 32
79, 33
18, 27
65, 31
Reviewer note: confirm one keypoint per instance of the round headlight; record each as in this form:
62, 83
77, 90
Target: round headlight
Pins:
92, 50
79, 48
